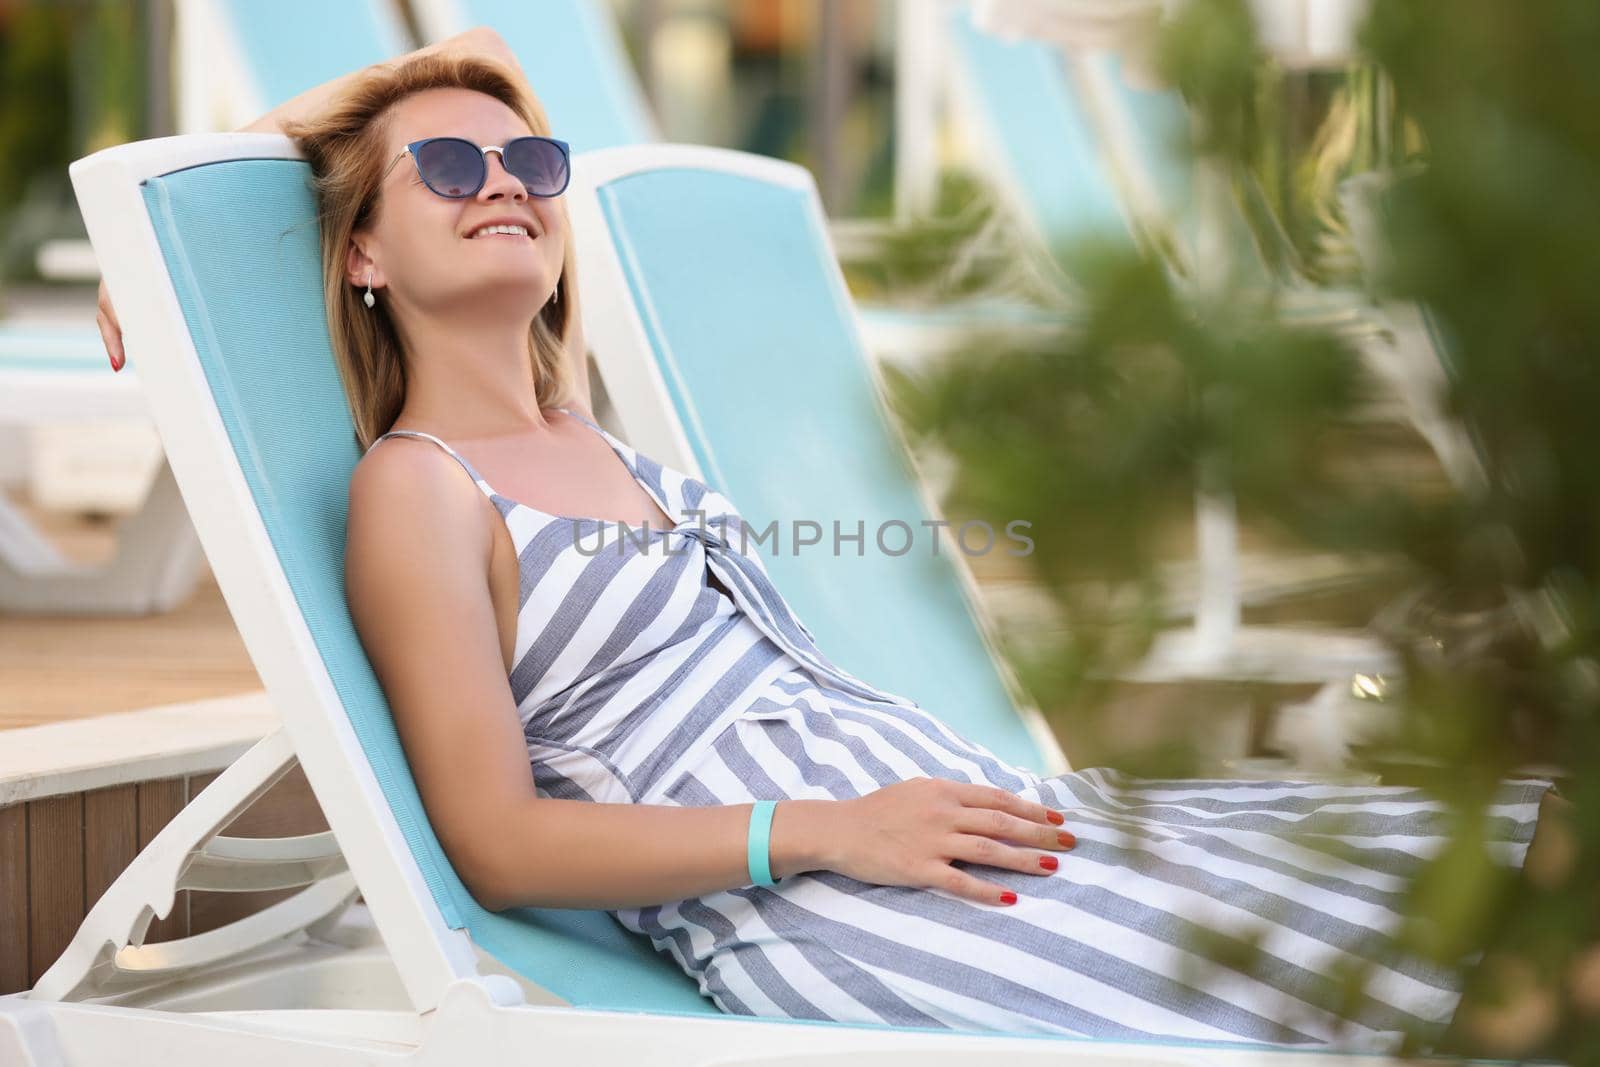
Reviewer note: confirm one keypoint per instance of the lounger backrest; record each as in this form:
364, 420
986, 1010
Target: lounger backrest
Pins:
1036, 136
240, 242
573, 56
290, 46
1146, 131
1082, 148
727, 270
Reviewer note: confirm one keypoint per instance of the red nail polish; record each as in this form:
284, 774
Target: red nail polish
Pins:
1066, 838
1049, 863
1055, 817
1008, 897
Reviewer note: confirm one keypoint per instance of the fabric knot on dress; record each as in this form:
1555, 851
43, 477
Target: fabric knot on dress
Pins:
712, 530
708, 538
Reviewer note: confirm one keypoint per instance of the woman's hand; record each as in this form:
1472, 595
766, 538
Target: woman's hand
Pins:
909, 832
110, 329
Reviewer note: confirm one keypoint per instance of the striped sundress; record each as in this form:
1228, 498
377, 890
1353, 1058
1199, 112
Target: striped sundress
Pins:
638, 681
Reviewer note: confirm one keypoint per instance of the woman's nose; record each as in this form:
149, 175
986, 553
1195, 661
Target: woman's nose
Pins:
499, 181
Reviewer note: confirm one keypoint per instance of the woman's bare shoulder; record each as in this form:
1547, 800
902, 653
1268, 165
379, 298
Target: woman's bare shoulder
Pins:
407, 467
409, 492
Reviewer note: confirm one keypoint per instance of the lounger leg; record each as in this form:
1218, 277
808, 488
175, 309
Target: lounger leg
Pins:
107, 955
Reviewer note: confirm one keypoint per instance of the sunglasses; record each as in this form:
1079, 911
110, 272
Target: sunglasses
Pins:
455, 168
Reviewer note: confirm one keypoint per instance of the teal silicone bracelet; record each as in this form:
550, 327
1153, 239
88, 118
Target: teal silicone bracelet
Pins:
756, 850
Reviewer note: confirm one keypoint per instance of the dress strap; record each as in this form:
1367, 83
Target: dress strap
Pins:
483, 485
581, 417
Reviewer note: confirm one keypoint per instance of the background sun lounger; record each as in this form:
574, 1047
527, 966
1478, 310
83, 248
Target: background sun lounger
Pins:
58, 376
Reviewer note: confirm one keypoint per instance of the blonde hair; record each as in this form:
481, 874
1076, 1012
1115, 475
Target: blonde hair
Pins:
346, 147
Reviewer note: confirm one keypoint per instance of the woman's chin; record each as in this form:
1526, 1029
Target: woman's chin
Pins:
506, 292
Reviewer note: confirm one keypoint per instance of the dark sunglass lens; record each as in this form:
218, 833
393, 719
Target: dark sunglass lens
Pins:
540, 165
451, 167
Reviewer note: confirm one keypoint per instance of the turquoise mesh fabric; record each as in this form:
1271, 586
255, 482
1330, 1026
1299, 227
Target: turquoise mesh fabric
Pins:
1044, 137
577, 65
750, 323
294, 45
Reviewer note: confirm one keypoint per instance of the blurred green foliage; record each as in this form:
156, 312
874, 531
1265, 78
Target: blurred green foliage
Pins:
72, 80
36, 85
1485, 117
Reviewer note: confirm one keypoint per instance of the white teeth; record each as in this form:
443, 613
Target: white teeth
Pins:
520, 230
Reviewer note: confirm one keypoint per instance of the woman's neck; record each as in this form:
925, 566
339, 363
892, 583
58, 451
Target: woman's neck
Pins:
471, 380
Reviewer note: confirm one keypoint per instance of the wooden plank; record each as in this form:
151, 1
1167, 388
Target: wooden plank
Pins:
55, 878
110, 837
288, 808
14, 899
158, 803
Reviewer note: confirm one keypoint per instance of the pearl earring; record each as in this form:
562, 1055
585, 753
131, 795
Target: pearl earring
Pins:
369, 299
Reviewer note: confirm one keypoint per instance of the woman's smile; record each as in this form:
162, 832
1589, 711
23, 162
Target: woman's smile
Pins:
503, 234
510, 228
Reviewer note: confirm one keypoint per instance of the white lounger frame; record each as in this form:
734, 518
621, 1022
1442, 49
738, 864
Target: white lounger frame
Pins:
307, 981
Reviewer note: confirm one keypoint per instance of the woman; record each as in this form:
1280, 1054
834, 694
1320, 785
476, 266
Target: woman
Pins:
611, 728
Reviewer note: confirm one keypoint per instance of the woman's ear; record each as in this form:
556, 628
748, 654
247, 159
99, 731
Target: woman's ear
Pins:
356, 265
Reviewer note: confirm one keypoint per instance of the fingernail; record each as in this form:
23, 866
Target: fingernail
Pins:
1049, 863
1008, 897
1055, 817
1066, 838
